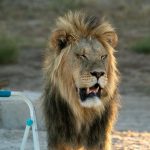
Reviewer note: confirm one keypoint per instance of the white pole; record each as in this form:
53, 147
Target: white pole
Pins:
33, 117
24, 140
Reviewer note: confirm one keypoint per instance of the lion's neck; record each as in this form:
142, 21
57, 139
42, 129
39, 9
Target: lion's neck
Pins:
83, 115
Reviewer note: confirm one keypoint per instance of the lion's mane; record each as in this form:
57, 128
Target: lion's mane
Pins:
65, 117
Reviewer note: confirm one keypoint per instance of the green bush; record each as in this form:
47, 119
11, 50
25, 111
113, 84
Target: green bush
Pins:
142, 46
8, 49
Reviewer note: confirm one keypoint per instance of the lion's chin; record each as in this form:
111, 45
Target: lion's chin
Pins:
91, 96
91, 102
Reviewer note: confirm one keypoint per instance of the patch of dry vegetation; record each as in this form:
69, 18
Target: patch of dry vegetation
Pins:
142, 46
131, 140
9, 49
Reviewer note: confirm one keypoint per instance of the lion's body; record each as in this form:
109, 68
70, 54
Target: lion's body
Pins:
74, 124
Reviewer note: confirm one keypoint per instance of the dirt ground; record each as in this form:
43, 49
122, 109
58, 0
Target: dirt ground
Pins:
32, 21
11, 140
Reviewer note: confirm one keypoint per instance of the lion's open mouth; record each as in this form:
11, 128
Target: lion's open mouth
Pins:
94, 91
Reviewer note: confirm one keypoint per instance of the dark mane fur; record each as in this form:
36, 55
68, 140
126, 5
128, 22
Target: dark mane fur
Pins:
61, 122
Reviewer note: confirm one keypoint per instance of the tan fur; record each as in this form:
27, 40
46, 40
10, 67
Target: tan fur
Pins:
73, 28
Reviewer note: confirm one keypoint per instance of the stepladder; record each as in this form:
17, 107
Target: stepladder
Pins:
31, 122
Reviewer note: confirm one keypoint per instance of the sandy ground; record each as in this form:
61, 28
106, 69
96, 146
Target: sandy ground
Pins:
133, 130
132, 125
11, 140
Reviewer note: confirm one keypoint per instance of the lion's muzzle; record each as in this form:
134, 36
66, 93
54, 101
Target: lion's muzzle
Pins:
91, 96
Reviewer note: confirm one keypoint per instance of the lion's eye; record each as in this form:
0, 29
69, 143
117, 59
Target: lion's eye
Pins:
103, 57
81, 56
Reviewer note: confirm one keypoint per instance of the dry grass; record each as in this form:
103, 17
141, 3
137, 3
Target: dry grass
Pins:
142, 46
131, 140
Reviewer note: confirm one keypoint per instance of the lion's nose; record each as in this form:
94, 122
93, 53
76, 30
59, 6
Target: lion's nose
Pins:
97, 74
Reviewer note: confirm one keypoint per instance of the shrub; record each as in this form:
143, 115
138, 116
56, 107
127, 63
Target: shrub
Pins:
8, 49
142, 46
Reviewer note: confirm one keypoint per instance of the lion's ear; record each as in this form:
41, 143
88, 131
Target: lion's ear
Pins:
111, 38
58, 39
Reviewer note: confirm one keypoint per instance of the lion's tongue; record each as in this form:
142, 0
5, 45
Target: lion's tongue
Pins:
92, 90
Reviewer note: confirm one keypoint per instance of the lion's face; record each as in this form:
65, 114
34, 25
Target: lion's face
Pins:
81, 62
88, 62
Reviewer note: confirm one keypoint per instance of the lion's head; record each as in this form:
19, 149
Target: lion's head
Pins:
80, 62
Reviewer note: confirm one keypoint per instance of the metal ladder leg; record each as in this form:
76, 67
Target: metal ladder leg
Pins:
30, 123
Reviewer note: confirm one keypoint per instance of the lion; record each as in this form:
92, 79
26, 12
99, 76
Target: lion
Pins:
80, 98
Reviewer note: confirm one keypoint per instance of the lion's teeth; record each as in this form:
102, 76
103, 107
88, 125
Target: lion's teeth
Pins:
88, 90
97, 89
92, 90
